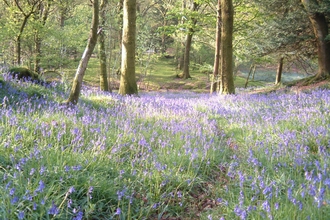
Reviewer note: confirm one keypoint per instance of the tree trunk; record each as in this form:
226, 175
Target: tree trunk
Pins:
279, 71
186, 62
227, 17
254, 71
77, 82
181, 58
321, 31
18, 40
43, 16
215, 82
37, 48
102, 55
128, 84
248, 77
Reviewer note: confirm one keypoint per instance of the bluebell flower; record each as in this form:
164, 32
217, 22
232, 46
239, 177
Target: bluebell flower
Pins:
12, 191
90, 191
32, 171
41, 186
42, 170
14, 200
53, 210
21, 215
118, 211
71, 190
79, 216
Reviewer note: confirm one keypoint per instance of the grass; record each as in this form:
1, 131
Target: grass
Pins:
159, 75
180, 155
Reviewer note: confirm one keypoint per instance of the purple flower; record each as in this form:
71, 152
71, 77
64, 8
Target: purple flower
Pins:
21, 215
42, 170
277, 206
14, 200
79, 216
266, 206
71, 190
12, 191
76, 168
32, 171
118, 211
240, 212
40, 187
66, 168
90, 191
53, 210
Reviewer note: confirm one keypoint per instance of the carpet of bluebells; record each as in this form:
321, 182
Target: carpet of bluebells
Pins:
163, 155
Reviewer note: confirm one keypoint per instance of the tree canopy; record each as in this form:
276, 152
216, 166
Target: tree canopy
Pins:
51, 35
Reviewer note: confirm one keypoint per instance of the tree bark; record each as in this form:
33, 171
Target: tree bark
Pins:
227, 17
102, 55
248, 77
128, 84
186, 60
321, 31
279, 71
22, 27
43, 16
77, 82
215, 82
189, 36
18, 39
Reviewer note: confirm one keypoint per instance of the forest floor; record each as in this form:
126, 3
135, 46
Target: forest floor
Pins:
160, 75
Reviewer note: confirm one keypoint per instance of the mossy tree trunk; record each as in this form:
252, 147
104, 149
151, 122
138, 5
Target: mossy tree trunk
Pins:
77, 82
128, 84
226, 60
102, 55
320, 26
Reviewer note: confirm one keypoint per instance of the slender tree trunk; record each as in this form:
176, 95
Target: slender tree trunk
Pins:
279, 71
321, 31
248, 77
163, 43
254, 71
43, 16
227, 17
18, 39
77, 82
102, 55
181, 58
215, 81
186, 62
37, 45
128, 84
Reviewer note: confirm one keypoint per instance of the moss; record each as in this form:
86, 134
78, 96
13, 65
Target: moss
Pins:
23, 73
